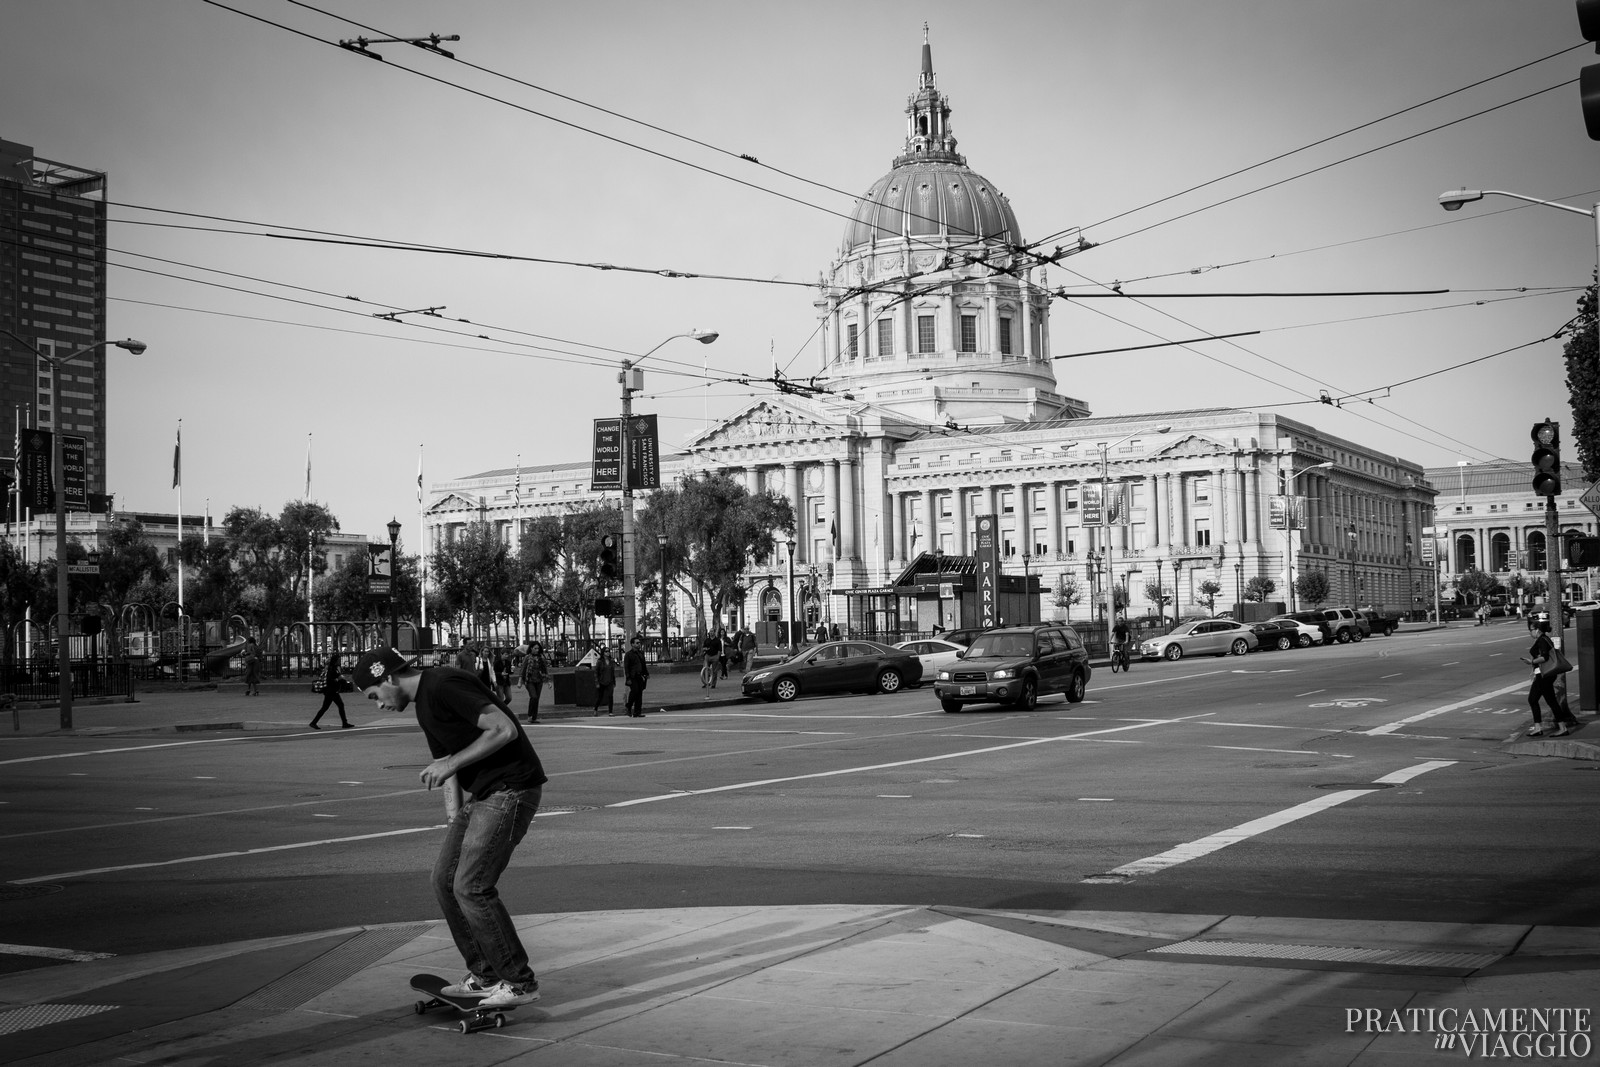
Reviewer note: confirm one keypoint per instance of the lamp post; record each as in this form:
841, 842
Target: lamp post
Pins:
57, 467
1105, 527
1351, 532
1290, 525
794, 644
1238, 584
938, 585
632, 380
1161, 597
661, 543
1027, 600
394, 577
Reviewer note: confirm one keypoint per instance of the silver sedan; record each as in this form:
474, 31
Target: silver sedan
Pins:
1218, 637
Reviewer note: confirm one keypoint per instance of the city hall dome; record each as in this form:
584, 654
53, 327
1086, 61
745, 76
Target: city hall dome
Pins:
928, 199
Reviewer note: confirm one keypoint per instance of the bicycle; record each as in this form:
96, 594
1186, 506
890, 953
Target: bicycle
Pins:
1119, 658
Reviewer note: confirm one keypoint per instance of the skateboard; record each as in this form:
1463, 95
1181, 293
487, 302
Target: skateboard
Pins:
477, 1016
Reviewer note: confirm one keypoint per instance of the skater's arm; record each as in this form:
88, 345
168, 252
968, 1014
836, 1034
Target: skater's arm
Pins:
496, 731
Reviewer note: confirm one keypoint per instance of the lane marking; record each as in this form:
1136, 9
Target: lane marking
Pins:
1389, 728
1243, 748
176, 744
42, 952
1098, 800
1088, 735
1244, 831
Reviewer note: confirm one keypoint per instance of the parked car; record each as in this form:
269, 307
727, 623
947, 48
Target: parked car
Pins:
1016, 665
1280, 634
1219, 637
1380, 622
1345, 624
836, 667
962, 637
1314, 629
935, 654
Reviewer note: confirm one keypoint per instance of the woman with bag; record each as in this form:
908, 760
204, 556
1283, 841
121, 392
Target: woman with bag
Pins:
1547, 662
534, 671
330, 692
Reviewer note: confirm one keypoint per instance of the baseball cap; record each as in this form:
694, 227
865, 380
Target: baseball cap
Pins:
373, 664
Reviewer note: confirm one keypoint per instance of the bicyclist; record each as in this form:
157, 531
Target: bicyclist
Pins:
1121, 635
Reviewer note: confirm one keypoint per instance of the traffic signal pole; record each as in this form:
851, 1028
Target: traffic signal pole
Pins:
1546, 460
630, 607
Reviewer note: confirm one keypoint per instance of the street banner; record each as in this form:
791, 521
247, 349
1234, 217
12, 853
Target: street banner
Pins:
380, 569
75, 471
987, 553
1428, 552
1288, 512
606, 472
644, 453
38, 494
1091, 503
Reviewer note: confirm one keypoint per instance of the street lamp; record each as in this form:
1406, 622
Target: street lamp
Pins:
58, 466
1105, 527
394, 577
1161, 596
1027, 605
794, 644
632, 380
1238, 584
1351, 532
661, 542
1289, 525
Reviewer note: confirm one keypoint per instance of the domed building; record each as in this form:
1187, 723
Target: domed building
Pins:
929, 310
934, 422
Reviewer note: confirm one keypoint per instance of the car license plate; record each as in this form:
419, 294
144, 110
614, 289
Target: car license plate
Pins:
969, 690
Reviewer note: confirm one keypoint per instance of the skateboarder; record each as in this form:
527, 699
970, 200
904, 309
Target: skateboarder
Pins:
492, 779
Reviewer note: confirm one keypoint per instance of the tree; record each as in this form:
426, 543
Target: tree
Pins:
1260, 587
1158, 594
343, 593
1067, 592
1477, 585
558, 563
1583, 386
269, 554
1208, 594
21, 587
473, 575
128, 564
714, 529
1312, 587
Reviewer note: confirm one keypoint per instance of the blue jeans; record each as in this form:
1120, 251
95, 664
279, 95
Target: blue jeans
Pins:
476, 850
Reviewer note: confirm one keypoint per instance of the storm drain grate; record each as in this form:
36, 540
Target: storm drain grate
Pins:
1389, 957
332, 967
37, 1015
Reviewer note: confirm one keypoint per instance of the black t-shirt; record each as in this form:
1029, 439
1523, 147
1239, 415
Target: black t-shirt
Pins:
448, 701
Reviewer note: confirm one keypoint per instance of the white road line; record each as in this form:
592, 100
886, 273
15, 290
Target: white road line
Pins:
1243, 832
67, 954
170, 744
1389, 728
1242, 748
1091, 734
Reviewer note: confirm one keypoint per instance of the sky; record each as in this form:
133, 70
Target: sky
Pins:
1157, 129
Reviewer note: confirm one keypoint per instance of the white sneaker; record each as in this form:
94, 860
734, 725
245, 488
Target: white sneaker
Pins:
1536, 730
509, 995
469, 986
1562, 730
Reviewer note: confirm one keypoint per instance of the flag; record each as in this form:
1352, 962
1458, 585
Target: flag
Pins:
516, 490
419, 476
833, 534
177, 458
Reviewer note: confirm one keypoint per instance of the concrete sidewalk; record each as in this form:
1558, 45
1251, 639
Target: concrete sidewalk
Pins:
820, 986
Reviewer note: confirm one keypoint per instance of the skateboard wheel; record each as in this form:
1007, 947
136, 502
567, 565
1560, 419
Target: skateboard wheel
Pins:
499, 1021
466, 1027
420, 1006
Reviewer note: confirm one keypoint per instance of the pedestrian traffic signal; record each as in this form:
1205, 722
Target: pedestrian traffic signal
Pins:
1583, 552
607, 607
608, 556
1546, 458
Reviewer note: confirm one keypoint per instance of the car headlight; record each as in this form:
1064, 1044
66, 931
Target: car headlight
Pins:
756, 677
1002, 673
944, 676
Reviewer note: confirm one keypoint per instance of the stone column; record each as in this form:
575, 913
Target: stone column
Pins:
831, 517
1052, 515
959, 512
795, 479
1024, 344
1252, 507
930, 521
849, 533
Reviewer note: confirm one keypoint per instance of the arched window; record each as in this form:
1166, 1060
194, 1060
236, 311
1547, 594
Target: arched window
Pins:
1500, 552
1535, 560
1466, 552
771, 604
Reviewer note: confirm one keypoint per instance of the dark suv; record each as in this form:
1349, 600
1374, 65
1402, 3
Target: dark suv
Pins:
1015, 665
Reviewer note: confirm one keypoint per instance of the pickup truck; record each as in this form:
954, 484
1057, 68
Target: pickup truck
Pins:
1381, 622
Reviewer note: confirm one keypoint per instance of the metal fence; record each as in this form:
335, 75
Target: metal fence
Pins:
41, 683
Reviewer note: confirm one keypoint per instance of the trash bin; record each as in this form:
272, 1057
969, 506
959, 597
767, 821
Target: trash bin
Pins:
575, 686
1584, 657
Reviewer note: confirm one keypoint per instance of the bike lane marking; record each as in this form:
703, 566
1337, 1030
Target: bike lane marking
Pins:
1389, 728
1204, 846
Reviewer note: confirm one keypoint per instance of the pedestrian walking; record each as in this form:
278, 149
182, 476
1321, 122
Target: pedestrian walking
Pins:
250, 659
636, 675
331, 681
605, 681
486, 672
1548, 663
492, 781
502, 675
534, 672
709, 650
724, 650
467, 658
747, 648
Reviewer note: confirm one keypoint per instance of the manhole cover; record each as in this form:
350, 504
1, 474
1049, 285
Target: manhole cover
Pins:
640, 752
24, 892
1354, 785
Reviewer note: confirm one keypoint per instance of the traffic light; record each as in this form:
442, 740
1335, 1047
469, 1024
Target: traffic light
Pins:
1546, 458
608, 556
1589, 77
607, 607
1583, 552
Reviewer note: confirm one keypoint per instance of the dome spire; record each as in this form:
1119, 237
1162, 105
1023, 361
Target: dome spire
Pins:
928, 136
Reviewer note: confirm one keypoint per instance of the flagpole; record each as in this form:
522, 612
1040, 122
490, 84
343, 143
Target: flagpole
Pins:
177, 483
311, 604
516, 526
422, 544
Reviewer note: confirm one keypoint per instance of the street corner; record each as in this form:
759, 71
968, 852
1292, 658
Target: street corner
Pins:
1582, 744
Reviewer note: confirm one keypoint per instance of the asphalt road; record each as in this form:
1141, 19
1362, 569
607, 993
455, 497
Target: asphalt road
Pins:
1359, 781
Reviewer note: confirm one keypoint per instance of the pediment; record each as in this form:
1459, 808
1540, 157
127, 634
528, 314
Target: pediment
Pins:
766, 421
1190, 446
454, 502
